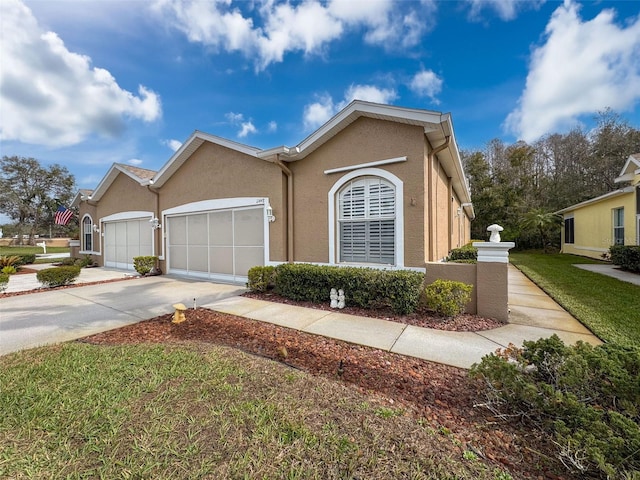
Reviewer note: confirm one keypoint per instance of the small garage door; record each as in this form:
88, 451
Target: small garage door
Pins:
220, 244
124, 240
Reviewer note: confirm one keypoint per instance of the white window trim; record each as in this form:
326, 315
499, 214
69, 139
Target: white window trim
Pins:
93, 233
399, 230
366, 165
218, 204
614, 216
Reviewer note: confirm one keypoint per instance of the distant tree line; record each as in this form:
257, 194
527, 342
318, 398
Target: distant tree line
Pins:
30, 194
519, 186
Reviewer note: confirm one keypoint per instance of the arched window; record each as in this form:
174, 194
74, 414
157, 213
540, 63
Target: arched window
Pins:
87, 234
366, 211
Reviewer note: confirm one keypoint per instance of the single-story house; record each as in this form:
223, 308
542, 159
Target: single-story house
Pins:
377, 185
592, 226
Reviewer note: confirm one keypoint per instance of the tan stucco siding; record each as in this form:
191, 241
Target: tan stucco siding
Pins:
125, 194
593, 226
364, 141
215, 172
443, 206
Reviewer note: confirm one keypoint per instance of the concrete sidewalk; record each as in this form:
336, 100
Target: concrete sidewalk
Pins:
533, 315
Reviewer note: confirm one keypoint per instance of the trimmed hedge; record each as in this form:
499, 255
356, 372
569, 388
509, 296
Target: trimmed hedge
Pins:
27, 258
363, 287
4, 281
261, 278
626, 257
58, 276
466, 254
587, 399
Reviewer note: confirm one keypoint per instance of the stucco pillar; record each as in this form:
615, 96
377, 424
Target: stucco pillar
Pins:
492, 273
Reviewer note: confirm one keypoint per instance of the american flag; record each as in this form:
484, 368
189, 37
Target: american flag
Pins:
63, 215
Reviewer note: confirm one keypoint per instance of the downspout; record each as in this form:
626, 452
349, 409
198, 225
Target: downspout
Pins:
289, 175
157, 215
431, 156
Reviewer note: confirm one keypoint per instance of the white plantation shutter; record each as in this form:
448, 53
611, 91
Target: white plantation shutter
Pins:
366, 218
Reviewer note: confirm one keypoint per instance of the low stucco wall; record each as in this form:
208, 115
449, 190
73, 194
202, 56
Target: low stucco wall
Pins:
50, 242
490, 295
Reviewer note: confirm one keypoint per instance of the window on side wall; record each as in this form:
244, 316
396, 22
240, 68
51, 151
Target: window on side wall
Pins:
87, 234
367, 221
569, 230
618, 226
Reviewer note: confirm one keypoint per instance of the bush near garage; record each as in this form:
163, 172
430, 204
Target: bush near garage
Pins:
144, 264
261, 278
448, 297
58, 276
26, 259
363, 287
586, 398
626, 257
4, 281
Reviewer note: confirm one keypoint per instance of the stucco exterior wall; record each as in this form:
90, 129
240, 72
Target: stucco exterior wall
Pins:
125, 194
216, 172
366, 140
442, 224
593, 226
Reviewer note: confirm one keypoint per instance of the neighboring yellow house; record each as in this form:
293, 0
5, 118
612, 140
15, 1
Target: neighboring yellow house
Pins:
592, 226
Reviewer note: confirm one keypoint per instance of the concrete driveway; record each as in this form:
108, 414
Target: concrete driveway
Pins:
28, 321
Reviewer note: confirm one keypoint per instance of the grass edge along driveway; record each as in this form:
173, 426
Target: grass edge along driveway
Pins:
609, 307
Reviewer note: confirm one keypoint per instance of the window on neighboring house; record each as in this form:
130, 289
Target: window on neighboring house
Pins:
367, 221
618, 226
87, 234
569, 230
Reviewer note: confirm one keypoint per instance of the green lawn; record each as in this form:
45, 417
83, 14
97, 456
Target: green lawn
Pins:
22, 250
183, 412
609, 307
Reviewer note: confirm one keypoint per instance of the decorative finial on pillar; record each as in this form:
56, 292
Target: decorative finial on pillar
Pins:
495, 230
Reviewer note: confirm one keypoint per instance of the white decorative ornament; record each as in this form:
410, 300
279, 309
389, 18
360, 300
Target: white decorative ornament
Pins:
495, 230
341, 300
334, 298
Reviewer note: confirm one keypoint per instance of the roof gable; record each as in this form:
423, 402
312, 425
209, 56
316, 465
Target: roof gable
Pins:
630, 170
140, 175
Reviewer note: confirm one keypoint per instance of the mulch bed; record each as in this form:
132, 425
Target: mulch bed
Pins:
445, 396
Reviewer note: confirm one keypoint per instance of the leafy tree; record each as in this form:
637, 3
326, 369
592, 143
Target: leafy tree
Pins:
30, 193
544, 223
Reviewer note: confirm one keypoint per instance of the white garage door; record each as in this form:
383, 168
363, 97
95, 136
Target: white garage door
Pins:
124, 240
220, 244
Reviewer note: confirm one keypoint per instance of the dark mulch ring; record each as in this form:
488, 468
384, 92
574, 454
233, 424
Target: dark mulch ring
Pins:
445, 396
460, 323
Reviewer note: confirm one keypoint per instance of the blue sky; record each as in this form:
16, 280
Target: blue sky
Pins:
88, 83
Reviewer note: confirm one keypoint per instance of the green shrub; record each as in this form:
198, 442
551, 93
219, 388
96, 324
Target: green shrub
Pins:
27, 258
144, 264
261, 278
626, 257
363, 287
448, 297
468, 254
586, 398
58, 276
69, 261
9, 270
4, 281
10, 261
86, 261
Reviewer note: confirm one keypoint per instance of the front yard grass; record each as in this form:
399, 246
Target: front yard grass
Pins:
27, 250
200, 411
609, 307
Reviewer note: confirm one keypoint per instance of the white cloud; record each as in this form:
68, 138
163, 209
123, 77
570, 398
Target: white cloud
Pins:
135, 161
426, 83
583, 67
505, 9
237, 119
272, 127
173, 144
319, 112
52, 96
266, 31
